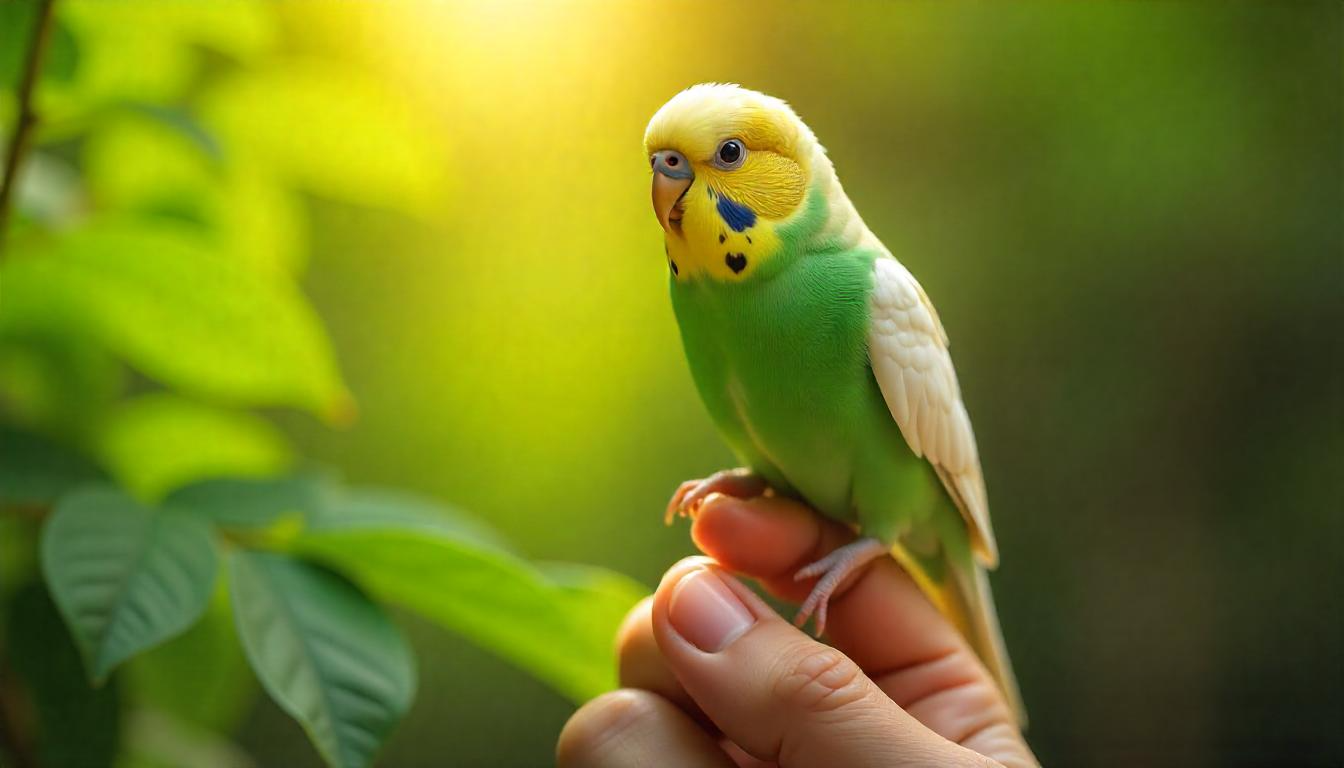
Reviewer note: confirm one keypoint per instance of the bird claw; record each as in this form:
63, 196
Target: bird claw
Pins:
739, 483
833, 569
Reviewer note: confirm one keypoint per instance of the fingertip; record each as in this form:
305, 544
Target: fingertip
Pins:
637, 659
675, 574
699, 607
662, 596
636, 622
626, 727
764, 683
764, 538
599, 722
640, 663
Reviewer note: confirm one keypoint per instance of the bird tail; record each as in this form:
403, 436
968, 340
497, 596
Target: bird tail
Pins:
963, 595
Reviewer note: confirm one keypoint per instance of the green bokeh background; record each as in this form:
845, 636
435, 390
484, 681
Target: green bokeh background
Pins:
1128, 215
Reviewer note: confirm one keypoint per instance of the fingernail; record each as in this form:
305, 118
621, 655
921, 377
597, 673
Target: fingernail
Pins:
706, 612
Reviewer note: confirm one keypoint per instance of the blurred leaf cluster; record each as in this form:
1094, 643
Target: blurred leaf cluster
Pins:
150, 311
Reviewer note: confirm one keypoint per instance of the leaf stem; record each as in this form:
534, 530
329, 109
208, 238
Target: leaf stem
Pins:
23, 128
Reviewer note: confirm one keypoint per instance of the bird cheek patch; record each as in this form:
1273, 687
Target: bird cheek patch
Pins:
769, 184
736, 215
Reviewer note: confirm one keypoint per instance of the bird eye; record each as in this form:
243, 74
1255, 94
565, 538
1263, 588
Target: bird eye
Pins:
730, 154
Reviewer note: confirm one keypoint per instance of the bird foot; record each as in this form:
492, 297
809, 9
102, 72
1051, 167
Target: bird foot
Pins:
833, 569
741, 483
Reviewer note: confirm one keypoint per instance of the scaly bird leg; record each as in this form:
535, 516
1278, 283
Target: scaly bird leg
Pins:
741, 483
833, 569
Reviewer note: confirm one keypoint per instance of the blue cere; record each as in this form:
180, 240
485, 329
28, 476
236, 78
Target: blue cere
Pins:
737, 216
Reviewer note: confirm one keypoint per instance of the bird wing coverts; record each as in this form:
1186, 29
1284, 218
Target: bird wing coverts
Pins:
907, 348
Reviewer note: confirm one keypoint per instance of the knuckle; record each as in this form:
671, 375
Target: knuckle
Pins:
600, 724
821, 679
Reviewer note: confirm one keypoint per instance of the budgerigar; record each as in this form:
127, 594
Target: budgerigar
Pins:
818, 355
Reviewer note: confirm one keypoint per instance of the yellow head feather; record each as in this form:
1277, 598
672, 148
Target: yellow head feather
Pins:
697, 119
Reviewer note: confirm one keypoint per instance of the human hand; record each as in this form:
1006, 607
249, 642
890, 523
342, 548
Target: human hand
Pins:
711, 676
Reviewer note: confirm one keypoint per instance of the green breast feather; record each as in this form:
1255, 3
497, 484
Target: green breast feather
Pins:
781, 362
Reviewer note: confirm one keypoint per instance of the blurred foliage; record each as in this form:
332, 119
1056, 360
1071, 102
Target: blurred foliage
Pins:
46, 662
149, 304
1128, 214
126, 577
328, 656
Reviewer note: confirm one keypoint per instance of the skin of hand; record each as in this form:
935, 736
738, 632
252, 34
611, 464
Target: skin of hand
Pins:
712, 676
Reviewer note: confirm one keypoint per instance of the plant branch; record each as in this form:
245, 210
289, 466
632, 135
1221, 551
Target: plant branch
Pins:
14, 736
35, 512
27, 118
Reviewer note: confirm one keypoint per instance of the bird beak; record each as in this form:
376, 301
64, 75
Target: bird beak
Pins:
667, 193
670, 182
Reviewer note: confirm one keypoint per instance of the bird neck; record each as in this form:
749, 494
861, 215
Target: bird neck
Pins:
828, 221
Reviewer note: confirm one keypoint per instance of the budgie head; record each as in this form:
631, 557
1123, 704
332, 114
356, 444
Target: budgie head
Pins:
731, 167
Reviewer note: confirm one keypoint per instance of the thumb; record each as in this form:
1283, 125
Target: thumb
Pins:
776, 692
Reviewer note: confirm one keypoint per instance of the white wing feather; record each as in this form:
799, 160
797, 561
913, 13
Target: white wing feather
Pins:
907, 348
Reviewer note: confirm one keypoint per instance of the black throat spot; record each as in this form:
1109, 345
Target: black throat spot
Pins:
736, 262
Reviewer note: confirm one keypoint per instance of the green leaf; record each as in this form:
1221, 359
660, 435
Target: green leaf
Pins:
336, 132
134, 161
261, 222
16, 34
150, 52
35, 471
156, 443
181, 121
384, 508
556, 623
177, 173
595, 601
241, 29
328, 656
114, 63
124, 576
77, 726
180, 313
253, 503
320, 503
57, 384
